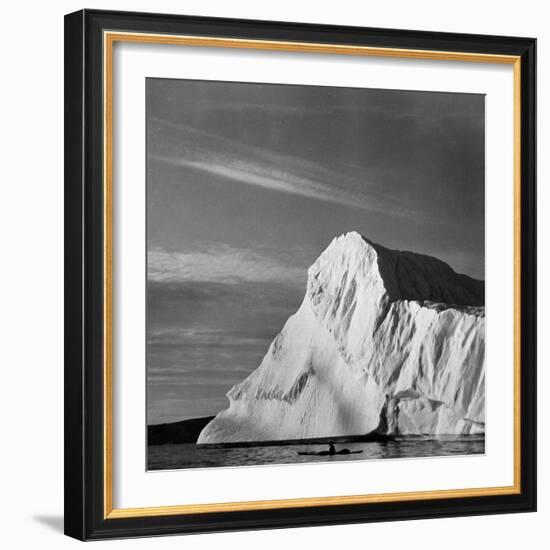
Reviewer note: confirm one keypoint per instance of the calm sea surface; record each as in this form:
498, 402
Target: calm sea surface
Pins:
170, 457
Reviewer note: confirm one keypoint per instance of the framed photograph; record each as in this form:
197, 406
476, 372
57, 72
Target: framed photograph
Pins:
300, 274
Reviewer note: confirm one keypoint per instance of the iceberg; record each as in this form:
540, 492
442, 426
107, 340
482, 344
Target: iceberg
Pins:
384, 342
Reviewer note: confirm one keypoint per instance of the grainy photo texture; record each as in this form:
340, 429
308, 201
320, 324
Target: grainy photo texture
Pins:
315, 274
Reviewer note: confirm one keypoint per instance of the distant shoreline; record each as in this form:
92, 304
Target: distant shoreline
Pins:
184, 431
187, 431
380, 438
368, 438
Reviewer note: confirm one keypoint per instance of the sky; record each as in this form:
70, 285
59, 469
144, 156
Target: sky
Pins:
248, 183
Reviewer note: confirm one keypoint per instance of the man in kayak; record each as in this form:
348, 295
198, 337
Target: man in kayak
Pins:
331, 451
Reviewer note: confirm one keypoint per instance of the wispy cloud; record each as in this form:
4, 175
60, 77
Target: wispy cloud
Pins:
220, 264
206, 336
186, 147
268, 178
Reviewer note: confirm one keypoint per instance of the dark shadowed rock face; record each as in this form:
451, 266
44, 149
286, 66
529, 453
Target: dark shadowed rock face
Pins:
411, 276
384, 340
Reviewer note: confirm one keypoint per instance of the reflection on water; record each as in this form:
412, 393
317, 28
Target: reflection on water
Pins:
171, 457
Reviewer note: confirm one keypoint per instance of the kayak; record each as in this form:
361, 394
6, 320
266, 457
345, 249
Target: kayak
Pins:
328, 453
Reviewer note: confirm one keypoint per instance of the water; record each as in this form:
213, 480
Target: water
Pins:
188, 455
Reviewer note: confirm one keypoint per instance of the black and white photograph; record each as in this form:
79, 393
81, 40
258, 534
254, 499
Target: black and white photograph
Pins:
315, 274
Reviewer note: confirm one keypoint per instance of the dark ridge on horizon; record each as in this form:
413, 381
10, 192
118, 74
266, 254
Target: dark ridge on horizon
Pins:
184, 431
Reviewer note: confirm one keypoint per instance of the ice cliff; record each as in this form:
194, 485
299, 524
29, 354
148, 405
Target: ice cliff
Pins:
384, 340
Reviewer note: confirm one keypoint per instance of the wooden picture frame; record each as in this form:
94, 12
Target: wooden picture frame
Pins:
90, 36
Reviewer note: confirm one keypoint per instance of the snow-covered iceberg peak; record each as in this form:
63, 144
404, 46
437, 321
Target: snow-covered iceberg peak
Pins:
384, 340
397, 274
